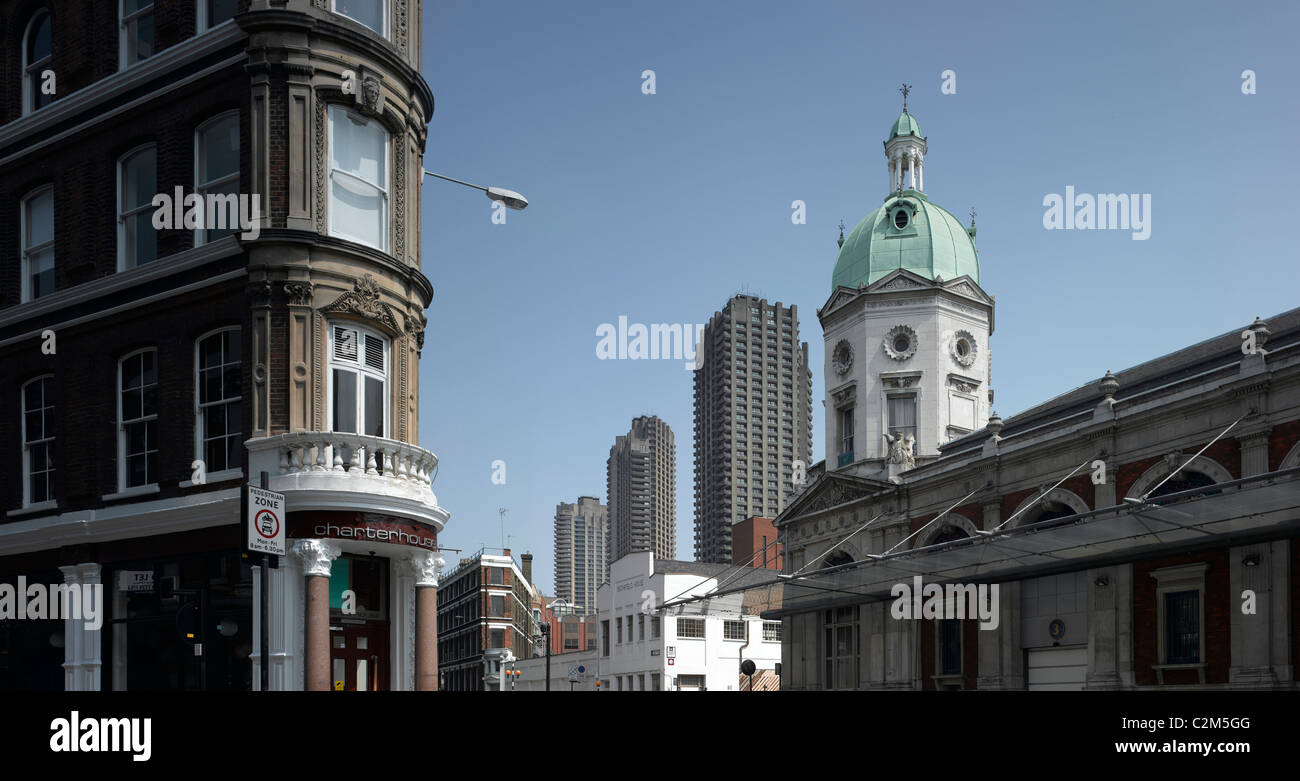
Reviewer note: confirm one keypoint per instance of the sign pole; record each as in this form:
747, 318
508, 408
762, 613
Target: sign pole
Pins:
265, 609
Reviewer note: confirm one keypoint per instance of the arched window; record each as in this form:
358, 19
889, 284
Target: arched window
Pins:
137, 415
216, 173
38, 54
948, 534
1050, 510
217, 399
137, 240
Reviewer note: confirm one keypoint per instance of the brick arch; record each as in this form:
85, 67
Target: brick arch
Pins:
1206, 466
951, 519
1292, 459
1059, 495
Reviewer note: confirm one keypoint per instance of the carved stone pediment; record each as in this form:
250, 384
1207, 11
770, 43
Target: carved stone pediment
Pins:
364, 302
829, 492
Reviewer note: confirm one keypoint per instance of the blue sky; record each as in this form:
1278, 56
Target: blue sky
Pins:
660, 207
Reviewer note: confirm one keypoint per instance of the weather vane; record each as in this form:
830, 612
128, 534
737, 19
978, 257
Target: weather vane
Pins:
905, 89
841, 242
972, 216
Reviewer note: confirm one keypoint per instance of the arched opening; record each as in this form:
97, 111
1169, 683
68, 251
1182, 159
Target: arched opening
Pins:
836, 559
1186, 480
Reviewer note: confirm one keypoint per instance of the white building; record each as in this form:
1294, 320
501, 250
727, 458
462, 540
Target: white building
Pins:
642, 649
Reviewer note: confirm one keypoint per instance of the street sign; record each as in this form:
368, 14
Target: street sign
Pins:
576, 673
265, 521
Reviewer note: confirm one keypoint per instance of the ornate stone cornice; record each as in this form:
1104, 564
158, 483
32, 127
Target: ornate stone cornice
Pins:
316, 556
364, 302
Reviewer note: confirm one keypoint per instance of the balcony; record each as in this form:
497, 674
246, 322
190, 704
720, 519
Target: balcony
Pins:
325, 470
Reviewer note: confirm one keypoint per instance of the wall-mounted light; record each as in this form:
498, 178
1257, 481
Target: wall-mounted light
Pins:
1102, 582
1251, 561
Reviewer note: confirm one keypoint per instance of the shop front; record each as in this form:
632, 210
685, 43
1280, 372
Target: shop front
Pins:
353, 607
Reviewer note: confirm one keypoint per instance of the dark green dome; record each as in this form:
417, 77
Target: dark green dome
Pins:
931, 242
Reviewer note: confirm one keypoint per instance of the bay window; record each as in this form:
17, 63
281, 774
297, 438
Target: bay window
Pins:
359, 379
358, 178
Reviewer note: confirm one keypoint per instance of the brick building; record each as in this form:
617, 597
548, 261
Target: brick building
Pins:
487, 607
154, 367
753, 543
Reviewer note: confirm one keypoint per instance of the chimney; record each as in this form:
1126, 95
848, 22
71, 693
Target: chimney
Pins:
527, 559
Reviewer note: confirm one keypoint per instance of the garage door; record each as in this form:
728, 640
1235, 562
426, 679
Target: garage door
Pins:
1058, 669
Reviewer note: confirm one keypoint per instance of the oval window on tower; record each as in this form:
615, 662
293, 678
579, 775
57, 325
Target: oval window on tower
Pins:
900, 219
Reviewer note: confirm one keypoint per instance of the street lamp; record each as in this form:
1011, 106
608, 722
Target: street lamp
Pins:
509, 197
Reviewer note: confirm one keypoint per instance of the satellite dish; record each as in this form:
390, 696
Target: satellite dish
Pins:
747, 667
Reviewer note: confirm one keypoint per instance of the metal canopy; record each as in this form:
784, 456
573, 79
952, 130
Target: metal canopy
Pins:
1230, 513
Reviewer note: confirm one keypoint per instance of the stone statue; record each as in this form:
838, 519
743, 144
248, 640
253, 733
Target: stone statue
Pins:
901, 448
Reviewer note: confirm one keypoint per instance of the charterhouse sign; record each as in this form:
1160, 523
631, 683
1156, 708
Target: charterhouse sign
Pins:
363, 527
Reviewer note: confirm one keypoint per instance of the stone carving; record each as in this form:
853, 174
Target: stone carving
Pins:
842, 357
963, 347
260, 292
899, 283
900, 343
300, 293
830, 496
426, 566
901, 448
364, 301
316, 556
319, 164
370, 93
845, 396
399, 198
399, 18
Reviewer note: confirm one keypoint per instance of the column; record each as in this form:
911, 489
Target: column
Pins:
317, 556
426, 567
82, 626
1260, 639
1001, 658
920, 174
891, 175
911, 170
1254, 452
1110, 628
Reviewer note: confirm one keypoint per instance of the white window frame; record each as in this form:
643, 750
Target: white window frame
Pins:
362, 370
30, 90
388, 10
123, 22
25, 251
731, 624
123, 217
122, 487
677, 628
202, 24
386, 191
200, 188
1185, 577
200, 449
48, 439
